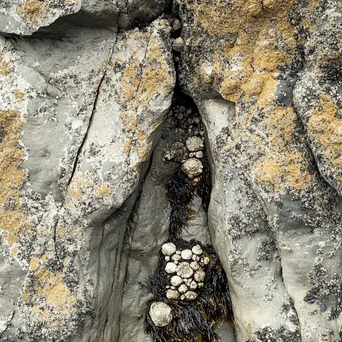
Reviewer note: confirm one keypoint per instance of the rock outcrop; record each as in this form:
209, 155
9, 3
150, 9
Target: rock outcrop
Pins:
94, 125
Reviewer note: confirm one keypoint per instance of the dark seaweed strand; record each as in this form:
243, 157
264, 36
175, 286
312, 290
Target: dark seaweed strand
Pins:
180, 194
193, 321
205, 185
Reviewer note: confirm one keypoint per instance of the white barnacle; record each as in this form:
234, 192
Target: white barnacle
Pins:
170, 267
161, 314
194, 144
199, 275
168, 248
190, 295
192, 167
184, 270
186, 254
197, 250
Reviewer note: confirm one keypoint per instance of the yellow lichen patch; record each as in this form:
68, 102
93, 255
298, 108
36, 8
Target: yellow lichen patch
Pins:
271, 149
265, 40
84, 185
284, 171
5, 67
18, 94
49, 297
32, 10
12, 221
325, 128
141, 81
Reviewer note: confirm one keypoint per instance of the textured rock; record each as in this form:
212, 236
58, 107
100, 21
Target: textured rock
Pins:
267, 188
27, 16
60, 118
83, 206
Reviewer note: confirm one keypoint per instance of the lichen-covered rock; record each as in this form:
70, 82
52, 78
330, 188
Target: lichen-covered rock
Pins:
274, 65
27, 16
63, 111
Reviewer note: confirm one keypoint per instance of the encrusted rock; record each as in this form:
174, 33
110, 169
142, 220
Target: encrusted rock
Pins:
184, 270
192, 167
170, 267
168, 248
186, 254
194, 144
161, 314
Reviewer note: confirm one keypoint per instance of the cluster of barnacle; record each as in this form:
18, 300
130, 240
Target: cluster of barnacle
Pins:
172, 317
189, 150
185, 270
190, 288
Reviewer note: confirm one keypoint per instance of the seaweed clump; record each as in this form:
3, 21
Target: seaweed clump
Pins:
180, 193
193, 321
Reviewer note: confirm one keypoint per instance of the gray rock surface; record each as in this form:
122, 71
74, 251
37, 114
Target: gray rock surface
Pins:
87, 148
25, 17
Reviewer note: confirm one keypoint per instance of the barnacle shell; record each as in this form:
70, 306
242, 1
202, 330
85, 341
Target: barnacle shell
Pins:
183, 288
197, 250
193, 285
190, 295
172, 294
170, 267
176, 280
176, 257
194, 144
206, 261
199, 275
184, 270
186, 254
168, 248
161, 314
192, 167
194, 265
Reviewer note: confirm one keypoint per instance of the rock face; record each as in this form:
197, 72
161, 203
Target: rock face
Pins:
90, 138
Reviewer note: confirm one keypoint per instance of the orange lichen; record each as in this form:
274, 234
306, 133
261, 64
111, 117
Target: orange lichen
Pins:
12, 220
5, 67
32, 11
141, 81
325, 128
49, 297
18, 94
